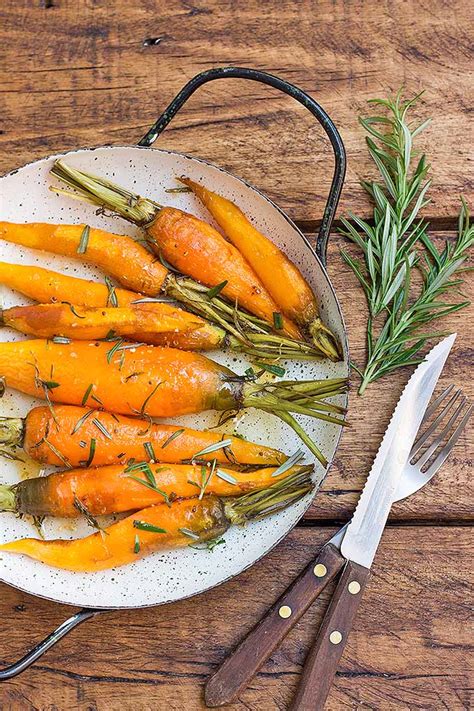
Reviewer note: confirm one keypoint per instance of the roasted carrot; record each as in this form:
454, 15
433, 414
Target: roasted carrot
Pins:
48, 286
190, 244
159, 527
115, 489
58, 438
162, 324
150, 381
282, 279
121, 257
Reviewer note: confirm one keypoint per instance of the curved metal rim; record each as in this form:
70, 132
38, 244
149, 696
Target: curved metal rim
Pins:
100, 608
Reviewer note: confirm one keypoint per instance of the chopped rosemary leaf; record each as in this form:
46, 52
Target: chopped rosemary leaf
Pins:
114, 349
97, 399
188, 532
81, 421
208, 545
90, 458
167, 265
84, 240
171, 438
82, 444
148, 398
101, 428
277, 320
148, 447
226, 477
213, 448
206, 479
134, 375
122, 360
50, 384
290, 462
181, 189
111, 335
112, 296
136, 545
215, 290
86, 394
73, 309
151, 486
144, 526
274, 369
62, 458
61, 339
91, 520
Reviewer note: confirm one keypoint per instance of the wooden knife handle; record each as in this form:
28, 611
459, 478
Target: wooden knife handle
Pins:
322, 661
254, 650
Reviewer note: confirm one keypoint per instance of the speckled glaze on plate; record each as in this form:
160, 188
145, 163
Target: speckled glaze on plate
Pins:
173, 575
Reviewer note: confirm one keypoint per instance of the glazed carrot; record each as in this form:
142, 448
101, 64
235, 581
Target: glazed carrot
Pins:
160, 527
162, 324
59, 439
115, 489
118, 255
151, 381
190, 244
282, 279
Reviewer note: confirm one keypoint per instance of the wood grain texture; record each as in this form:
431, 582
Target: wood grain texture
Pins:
409, 647
84, 74
448, 497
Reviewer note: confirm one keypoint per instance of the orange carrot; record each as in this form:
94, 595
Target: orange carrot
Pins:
159, 527
121, 257
151, 381
115, 489
58, 438
162, 324
282, 279
191, 245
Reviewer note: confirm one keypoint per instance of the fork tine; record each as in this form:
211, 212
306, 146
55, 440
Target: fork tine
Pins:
422, 439
443, 455
431, 408
441, 436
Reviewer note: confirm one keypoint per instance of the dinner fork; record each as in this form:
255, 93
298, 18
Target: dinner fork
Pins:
429, 452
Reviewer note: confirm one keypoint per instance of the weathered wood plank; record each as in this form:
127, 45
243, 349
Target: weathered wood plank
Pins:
449, 495
409, 647
76, 74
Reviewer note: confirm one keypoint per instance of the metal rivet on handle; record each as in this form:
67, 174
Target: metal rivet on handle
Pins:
354, 587
335, 637
320, 570
285, 611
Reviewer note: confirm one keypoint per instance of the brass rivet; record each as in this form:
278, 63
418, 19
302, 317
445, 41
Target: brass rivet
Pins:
285, 611
354, 587
320, 570
335, 637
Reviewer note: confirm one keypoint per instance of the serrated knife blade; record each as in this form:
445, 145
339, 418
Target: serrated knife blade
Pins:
362, 536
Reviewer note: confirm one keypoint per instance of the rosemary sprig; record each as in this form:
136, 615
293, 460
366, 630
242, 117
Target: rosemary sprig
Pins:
397, 244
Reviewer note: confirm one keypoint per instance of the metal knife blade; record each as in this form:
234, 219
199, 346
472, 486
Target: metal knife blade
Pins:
365, 529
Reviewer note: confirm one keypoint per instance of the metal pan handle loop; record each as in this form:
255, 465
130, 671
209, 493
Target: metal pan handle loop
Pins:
309, 103
30, 657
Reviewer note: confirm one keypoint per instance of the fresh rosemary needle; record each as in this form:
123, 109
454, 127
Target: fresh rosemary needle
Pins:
397, 245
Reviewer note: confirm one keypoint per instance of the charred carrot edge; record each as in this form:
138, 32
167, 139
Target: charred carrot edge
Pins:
159, 527
57, 438
282, 279
133, 379
115, 489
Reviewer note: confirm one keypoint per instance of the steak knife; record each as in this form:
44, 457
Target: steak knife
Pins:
351, 550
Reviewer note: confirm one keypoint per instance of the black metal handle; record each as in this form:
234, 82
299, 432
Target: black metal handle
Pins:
18, 667
297, 94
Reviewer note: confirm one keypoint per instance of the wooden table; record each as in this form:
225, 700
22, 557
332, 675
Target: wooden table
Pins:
94, 72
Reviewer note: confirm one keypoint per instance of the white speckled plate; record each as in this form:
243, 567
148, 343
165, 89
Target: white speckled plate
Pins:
162, 577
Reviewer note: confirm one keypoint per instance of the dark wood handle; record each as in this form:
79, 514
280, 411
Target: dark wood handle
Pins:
254, 650
322, 662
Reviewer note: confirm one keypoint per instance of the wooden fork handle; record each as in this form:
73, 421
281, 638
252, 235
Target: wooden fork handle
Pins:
322, 662
254, 650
